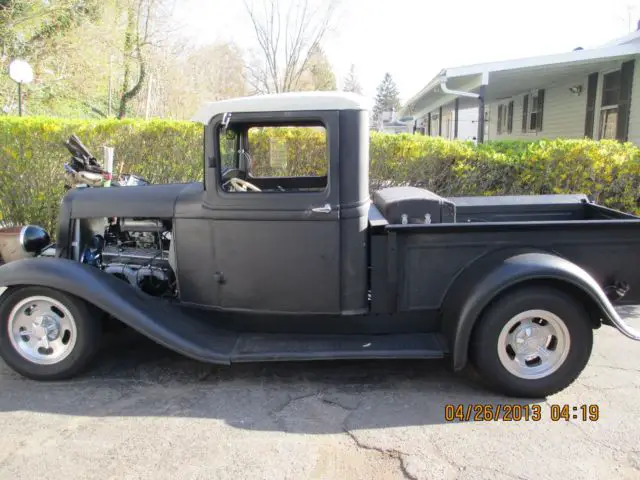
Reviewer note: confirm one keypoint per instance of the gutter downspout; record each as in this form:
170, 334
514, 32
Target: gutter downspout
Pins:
479, 96
459, 93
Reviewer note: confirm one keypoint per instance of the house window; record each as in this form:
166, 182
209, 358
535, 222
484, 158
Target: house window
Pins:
501, 119
609, 105
533, 112
532, 107
505, 118
435, 124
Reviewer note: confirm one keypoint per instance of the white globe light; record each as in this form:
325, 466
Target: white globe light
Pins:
20, 71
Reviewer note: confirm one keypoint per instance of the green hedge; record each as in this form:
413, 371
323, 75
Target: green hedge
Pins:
32, 156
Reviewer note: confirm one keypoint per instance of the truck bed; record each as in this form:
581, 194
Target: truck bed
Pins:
520, 208
412, 265
528, 208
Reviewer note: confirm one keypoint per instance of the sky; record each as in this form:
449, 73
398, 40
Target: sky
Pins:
415, 39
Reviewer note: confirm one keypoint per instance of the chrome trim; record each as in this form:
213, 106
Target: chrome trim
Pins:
76, 240
21, 238
326, 208
620, 324
537, 336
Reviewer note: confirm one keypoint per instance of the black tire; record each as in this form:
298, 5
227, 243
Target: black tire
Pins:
88, 333
484, 341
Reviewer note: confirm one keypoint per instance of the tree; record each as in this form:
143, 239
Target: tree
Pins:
351, 82
40, 33
287, 39
26, 25
185, 79
318, 75
387, 97
136, 38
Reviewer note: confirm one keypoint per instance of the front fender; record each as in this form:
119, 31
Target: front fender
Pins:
483, 281
161, 321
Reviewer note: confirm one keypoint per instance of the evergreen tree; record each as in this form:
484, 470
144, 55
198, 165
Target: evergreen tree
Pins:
387, 97
351, 83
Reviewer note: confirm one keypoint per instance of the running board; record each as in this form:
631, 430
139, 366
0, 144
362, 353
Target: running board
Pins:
192, 332
290, 347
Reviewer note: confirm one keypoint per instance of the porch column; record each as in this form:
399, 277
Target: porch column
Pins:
455, 124
480, 136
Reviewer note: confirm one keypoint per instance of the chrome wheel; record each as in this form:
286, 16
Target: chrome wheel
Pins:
42, 330
533, 344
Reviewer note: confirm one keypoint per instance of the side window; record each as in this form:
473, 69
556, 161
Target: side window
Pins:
283, 151
228, 149
268, 158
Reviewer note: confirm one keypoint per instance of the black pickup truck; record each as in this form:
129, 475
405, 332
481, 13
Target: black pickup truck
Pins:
269, 260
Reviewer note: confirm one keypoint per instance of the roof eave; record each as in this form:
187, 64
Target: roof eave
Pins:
487, 68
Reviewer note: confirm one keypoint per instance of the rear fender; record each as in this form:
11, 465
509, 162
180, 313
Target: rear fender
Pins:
161, 321
486, 279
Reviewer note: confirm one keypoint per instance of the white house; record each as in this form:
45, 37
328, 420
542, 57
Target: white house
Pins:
582, 93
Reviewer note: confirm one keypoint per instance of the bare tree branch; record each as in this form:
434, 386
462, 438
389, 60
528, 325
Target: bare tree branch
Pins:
286, 40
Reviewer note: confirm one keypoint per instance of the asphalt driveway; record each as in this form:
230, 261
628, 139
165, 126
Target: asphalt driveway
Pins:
143, 412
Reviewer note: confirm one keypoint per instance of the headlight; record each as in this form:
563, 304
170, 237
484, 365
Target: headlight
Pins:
34, 238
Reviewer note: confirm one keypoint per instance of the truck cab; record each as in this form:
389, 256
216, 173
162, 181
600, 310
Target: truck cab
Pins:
274, 224
281, 252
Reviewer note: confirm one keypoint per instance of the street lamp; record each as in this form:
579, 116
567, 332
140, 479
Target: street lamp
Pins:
20, 72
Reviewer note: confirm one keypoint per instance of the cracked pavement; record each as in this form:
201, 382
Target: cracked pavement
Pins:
143, 412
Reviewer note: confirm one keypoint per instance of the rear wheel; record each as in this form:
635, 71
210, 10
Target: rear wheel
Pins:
533, 342
46, 334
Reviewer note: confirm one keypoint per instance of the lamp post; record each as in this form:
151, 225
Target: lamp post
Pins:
21, 73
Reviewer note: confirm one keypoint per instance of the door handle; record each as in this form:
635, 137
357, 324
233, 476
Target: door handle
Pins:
326, 208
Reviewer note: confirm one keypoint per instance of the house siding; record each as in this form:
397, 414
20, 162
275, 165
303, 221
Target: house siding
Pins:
466, 123
564, 112
634, 111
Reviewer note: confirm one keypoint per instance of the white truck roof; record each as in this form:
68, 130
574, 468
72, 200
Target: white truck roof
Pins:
284, 102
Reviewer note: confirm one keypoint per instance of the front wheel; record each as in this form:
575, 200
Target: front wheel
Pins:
46, 334
533, 342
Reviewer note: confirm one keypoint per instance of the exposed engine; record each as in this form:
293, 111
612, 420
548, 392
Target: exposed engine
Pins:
138, 251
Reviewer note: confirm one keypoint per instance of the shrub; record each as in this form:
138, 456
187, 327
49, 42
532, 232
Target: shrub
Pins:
32, 155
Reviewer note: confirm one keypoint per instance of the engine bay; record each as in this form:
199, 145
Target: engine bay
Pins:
136, 250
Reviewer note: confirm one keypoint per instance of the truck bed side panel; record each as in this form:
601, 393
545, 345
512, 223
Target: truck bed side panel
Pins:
429, 259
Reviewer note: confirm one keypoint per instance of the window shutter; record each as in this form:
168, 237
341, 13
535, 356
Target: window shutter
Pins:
525, 112
499, 118
540, 110
429, 124
590, 116
510, 117
624, 102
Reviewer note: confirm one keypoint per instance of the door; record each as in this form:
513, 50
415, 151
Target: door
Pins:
275, 213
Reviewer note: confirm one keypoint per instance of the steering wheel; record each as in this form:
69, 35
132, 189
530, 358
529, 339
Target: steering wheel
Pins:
242, 185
